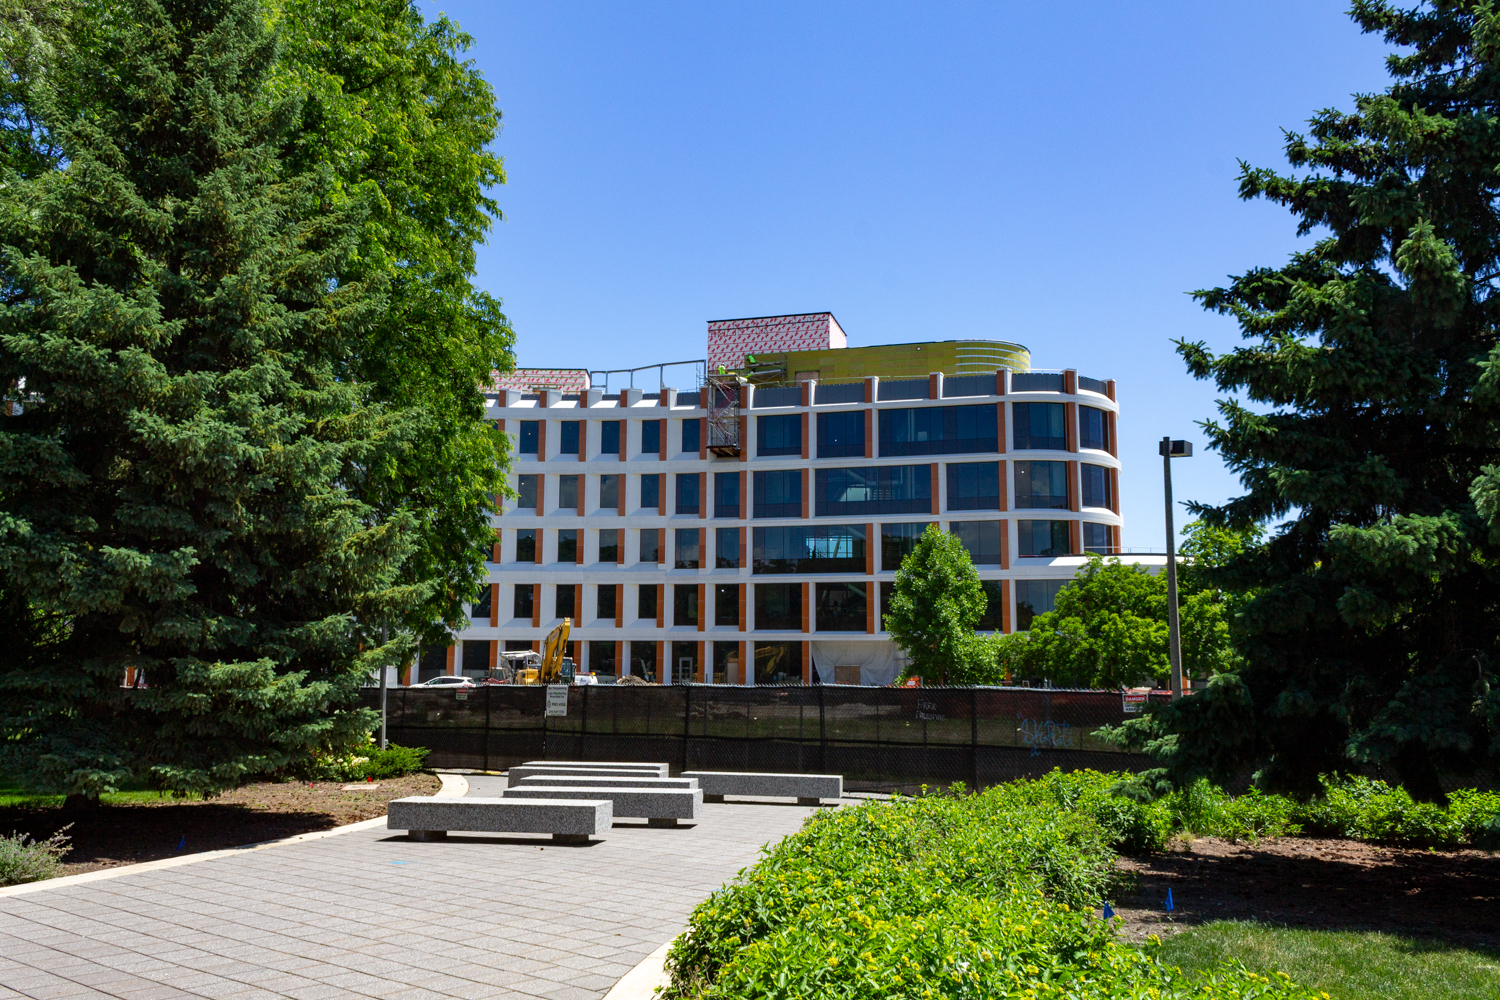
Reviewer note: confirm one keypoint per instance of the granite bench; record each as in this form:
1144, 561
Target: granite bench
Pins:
598, 764
660, 806
591, 781
573, 822
808, 789
514, 775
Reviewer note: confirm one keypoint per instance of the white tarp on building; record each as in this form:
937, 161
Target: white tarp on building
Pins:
871, 663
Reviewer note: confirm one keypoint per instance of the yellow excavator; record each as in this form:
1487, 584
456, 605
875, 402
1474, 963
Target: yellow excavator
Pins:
549, 666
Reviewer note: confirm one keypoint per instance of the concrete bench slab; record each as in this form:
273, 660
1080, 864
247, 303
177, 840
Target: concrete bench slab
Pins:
596, 764
660, 806
514, 775
574, 781
808, 789
573, 821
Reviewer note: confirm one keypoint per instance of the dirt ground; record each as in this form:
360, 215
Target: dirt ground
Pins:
1308, 882
126, 834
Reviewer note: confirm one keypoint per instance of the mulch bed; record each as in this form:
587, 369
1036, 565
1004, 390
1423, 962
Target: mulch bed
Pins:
1309, 882
126, 834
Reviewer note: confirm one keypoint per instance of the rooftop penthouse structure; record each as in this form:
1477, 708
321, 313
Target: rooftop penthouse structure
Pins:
747, 530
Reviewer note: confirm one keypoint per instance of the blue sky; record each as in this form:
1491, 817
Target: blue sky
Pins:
1057, 175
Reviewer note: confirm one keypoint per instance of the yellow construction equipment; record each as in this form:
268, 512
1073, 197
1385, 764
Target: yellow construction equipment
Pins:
549, 666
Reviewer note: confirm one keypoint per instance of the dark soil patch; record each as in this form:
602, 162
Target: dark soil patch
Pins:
1307, 882
126, 834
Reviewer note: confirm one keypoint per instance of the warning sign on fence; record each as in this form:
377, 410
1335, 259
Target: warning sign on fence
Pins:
1135, 700
557, 699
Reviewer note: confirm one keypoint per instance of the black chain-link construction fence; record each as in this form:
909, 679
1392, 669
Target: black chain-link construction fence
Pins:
879, 739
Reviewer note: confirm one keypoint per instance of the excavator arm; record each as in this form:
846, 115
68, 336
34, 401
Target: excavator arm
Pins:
552, 651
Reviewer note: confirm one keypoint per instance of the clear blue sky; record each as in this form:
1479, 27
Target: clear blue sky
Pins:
1057, 175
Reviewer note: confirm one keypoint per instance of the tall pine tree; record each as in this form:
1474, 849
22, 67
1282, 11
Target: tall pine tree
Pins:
1373, 635
179, 491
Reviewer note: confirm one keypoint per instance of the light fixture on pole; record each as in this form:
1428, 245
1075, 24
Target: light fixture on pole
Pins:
1169, 450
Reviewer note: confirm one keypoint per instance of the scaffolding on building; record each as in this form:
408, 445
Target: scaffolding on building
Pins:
721, 398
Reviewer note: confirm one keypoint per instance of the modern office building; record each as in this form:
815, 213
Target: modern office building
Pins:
748, 531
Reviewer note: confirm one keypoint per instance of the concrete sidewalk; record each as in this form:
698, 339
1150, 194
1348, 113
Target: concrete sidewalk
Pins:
369, 914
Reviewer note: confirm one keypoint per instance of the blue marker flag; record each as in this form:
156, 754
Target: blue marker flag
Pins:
1108, 912
181, 842
1169, 899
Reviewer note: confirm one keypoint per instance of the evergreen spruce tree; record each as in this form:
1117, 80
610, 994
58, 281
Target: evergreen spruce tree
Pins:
1373, 441
181, 472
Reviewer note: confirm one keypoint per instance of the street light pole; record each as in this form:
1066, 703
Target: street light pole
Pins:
383, 669
1169, 450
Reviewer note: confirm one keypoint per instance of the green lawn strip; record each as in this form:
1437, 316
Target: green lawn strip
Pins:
1347, 965
13, 796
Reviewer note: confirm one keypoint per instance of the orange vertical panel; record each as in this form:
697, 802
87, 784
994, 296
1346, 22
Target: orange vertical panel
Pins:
619, 659
541, 436
872, 599
661, 494
1109, 388
703, 438
1070, 426
583, 492
494, 606
1000, 382
1075, 489
934, 487
536, 605
583, 452
702, 497
807, 663
702, 606
869, 432
1005, 545
580, 546
806, 420
666, 431
619, 611
807, 607
869, 388
1070, 381
740, 588
537, 558
703, 548
743, 554
451, 657
1075, 538
494, 653
1114, 448
661, 652
1114, 490
870, 550
933, 392
805, 399
661, 607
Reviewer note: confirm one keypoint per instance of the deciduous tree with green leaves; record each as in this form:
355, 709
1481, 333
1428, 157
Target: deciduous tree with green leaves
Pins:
1372, 426
937, 603
191, 491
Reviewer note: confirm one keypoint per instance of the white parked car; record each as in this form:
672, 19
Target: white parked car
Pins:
446, 681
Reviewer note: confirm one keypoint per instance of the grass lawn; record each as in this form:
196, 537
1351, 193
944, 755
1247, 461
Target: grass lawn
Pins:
1347, 965
14, 796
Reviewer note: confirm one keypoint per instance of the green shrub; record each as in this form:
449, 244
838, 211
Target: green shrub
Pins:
1208, 811
949, 896
25, 860
394, 762
1366, 809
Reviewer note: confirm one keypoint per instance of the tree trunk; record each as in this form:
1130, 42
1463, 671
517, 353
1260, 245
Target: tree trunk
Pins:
79, 802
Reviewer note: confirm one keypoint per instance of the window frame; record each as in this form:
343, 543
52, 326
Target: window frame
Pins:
781, 421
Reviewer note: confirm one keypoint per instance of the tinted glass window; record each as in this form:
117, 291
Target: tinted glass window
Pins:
685, 604
526, 490
841, 607
602, 658
974, 486
897, 542
994, 607
523, 602
481, 607
609, 545
529, 434
1093, 428
1096, 538
526, 545
1039, 425
938, 430
567, 545
567, 492
1044, 538
727, 604
651, 490
609, 437
643, 657
604, 607
982, 539
650, 437
778, 606
691, 431
780, 435
833, 548
778, 662
841, 435
569, 438
687, 493
1095, 482
727, 548
686, 548
650, 545
566, 594
1035, 597
609, 492
726, 494
887, 489
476, 657
646, 606
778, 493
1041, 486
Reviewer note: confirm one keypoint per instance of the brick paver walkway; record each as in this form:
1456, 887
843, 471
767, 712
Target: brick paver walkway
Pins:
367, 914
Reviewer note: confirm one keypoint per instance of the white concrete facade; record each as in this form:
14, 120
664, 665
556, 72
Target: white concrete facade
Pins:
822, 636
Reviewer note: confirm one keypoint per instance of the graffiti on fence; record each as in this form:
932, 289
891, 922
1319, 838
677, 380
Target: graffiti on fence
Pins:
929, 710
1051, 735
